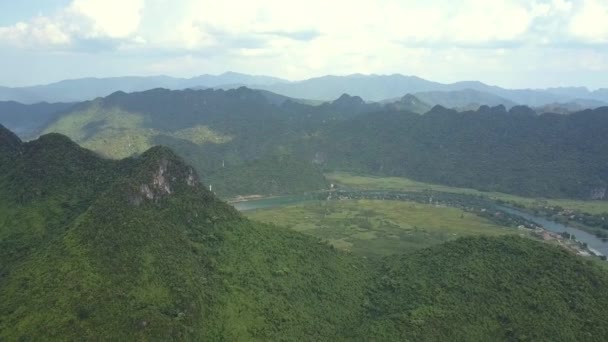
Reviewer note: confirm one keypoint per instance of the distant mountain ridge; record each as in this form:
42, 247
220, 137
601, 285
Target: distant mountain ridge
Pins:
463, 99
381, 87
369, 87
283, 145
409, 103
84, 89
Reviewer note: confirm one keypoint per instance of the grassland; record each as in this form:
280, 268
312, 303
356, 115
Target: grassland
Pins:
379, 228
364, 182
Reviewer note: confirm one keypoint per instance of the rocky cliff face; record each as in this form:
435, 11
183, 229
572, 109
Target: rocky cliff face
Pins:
161, 174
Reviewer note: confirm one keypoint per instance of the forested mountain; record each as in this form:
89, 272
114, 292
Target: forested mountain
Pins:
463, 99
217, 131
409, 103
569, 107
28, 120
490, 149
138, 249
481, 289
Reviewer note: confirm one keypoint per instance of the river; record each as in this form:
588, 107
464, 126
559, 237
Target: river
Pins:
598, 244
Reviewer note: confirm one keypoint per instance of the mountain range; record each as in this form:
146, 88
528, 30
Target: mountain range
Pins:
369, 87
490, 149
284, 146
139, 249
84, 89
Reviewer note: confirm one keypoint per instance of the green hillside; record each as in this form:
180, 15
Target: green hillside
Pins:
138, 249
487, 289
492, 149
211, 129
228, 134
142, 250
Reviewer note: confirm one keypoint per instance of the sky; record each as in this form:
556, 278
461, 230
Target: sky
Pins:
510, 43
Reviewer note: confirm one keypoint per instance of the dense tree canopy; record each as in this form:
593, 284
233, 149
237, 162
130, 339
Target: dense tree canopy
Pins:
139, 249
515, 151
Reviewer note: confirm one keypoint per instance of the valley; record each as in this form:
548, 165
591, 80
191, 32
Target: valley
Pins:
367, 182
346, 219
192, 267
364, 202
379, 228
283, 171
589, 216
284, 145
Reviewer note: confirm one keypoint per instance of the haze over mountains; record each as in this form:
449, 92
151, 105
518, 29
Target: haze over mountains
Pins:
369, 87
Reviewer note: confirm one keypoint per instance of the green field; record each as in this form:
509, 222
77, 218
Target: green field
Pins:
404, 184
373, 228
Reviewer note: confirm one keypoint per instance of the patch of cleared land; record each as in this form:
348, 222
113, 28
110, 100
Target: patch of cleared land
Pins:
404, 184
378, 228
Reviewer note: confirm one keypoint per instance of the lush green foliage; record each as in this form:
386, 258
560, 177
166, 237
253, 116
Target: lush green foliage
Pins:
487, 289
144, 251
515, 151
587, 215
379, 228
491, 150
139, 250
221, 133
272, 175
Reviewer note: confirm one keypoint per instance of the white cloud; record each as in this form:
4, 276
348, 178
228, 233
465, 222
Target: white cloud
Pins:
471, 22
561, 5
40, 31
301, 39
110, 18
203, 24
590, 23
80, 21
487, 22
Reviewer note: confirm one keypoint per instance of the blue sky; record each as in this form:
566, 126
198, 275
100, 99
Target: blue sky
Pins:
511, 43
12, 11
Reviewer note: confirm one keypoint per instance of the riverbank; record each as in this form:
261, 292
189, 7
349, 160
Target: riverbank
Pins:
367, 182
584, 244
238, 199
587, 215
